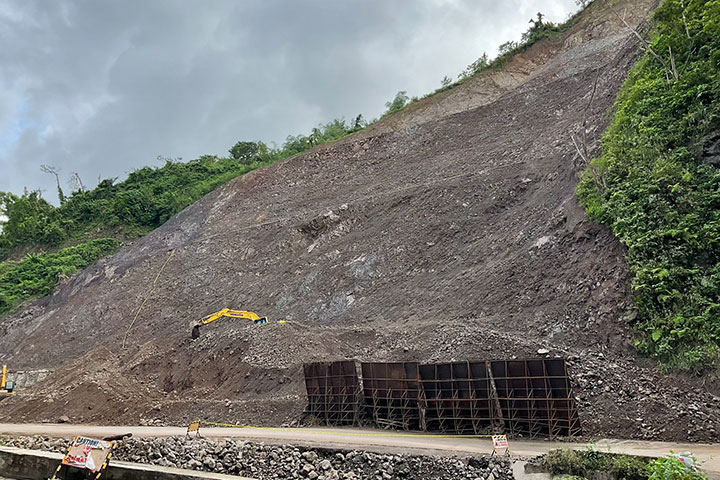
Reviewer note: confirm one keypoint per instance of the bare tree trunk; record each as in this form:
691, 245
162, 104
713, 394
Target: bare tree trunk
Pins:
648, 48
687, 30
581, 144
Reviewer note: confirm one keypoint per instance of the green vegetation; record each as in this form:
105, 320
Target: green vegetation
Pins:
660, 194
398, 103
37, 274
672, 467
582, 463
144, 201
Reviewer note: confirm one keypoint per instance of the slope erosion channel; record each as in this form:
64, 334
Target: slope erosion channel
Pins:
448, 231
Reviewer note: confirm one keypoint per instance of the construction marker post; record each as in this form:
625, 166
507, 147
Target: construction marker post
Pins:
87, 454
500, 442
193, 427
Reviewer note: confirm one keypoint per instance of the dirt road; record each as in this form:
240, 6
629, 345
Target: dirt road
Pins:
376, 441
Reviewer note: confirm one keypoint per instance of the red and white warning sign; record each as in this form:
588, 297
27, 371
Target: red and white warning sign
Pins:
500, 443
88, 454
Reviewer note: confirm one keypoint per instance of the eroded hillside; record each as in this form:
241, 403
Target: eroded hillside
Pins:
448, 231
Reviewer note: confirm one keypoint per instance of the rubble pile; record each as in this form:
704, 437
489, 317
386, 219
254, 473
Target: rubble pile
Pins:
262, 461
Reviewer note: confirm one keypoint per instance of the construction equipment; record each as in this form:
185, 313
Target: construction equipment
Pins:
6, 386
226, 312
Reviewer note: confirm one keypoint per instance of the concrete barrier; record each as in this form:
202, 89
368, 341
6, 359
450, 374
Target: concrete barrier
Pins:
17, 463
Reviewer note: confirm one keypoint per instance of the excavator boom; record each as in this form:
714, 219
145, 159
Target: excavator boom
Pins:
226, 312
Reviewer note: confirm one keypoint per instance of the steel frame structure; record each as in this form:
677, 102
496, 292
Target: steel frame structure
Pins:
531, 397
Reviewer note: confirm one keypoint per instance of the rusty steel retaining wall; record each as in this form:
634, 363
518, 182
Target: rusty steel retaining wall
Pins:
334, 393
520, 397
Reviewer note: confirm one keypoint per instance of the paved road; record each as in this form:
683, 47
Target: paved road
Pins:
375, 440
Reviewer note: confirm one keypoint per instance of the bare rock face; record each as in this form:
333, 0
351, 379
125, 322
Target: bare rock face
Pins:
448, 231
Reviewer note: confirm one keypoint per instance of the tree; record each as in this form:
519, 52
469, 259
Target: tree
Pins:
359, 123
26, 217
247, 152
401, 99
477, 66
56, 172
507, 47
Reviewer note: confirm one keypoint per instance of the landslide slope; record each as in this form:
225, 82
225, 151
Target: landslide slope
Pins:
448, 231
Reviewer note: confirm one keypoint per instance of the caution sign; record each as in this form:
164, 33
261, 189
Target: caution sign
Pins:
88, 454
193, 427
500, 443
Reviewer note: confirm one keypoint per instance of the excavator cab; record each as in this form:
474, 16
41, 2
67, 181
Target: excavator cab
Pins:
226, 312
6, 386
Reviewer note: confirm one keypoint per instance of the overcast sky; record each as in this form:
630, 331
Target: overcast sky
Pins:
102, 86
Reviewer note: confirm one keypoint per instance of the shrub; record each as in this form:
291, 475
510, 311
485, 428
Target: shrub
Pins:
582, 463
673, 467
396, 104
658, 195
37, 274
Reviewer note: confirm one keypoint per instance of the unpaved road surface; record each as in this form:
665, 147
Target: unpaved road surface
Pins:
376, 441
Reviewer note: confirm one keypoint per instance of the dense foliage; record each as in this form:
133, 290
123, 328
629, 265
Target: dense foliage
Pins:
583, 463
661, 193
37, 274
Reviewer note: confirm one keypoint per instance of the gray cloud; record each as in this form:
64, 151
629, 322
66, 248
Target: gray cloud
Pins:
102, 87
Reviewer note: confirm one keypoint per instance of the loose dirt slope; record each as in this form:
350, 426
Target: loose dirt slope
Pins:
448, 231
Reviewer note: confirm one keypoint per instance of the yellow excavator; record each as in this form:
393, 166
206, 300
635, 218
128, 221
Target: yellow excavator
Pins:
6, 386
226, 312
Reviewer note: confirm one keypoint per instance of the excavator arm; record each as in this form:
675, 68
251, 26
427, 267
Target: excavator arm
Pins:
226, 312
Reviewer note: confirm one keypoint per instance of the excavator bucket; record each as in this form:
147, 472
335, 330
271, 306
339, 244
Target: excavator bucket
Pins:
195, 332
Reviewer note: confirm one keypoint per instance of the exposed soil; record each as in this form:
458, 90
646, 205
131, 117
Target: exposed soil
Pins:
450, 231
